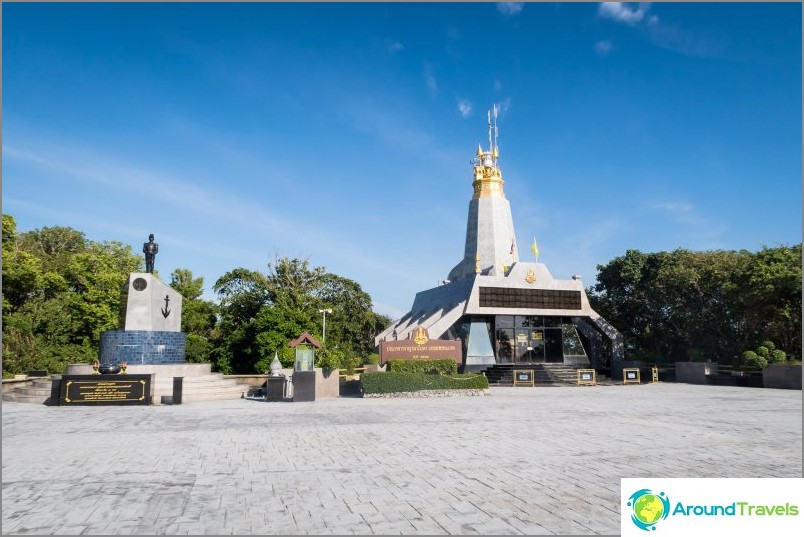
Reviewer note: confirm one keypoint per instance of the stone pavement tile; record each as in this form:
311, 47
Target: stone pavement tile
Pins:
530, 528
495, 527
525, 459
474, 517
71, 530
451, 526
427, 527
393, 528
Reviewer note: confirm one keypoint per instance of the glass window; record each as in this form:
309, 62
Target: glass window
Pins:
572, 343
552, 322
505, 345
505, 321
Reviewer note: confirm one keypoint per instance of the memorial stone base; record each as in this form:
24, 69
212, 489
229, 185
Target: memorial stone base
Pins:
142, 347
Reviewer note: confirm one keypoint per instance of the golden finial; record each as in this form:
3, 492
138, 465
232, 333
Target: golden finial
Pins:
477, 263
496, 153
479, 151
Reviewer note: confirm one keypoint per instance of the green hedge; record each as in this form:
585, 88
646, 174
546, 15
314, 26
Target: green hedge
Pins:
414, 382
432, 367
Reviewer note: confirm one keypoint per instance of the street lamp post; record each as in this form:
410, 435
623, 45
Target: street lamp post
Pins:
324, 324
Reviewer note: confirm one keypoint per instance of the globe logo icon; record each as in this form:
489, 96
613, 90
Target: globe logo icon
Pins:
648, 508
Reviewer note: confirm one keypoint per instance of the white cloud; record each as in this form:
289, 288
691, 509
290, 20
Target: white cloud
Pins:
502, 108
623, 12
674, 207
677, 39
509, 8
395, 47
603, 47
430, 79
464, 107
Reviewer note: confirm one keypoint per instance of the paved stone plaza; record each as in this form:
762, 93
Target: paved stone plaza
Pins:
521, 461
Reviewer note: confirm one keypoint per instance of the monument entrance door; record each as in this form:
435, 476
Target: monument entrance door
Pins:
553, 345
529, 345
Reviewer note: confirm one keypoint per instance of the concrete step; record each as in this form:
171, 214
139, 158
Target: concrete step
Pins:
201, 390
196, 398
32, 391
21, 398
206, 387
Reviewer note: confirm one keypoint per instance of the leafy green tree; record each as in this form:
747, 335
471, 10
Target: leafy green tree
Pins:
60, 291
199, 317
261, 313
683, 305
771, 297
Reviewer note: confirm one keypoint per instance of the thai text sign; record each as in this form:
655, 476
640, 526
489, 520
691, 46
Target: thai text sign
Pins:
106, 390
421, 347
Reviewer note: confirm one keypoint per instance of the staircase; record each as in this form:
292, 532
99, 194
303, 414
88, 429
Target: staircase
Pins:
38, 391
208, 387
199, 384
544, 374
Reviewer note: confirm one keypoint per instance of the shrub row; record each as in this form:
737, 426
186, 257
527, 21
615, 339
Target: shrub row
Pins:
414, 382
432, 367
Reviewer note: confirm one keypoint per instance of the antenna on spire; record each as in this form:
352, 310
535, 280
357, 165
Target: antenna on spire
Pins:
496, 146
491, 145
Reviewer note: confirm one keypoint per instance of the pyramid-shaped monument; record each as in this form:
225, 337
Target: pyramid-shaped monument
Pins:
504, 310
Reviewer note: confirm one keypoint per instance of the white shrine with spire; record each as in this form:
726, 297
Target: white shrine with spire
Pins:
508, 312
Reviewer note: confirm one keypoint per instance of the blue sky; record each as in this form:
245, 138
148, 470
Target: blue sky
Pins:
343, 132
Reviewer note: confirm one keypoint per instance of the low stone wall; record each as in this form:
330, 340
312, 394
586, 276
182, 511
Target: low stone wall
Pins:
327, 385
163, 370
9, 385
252, 381
786, 377
429, 393
695, 372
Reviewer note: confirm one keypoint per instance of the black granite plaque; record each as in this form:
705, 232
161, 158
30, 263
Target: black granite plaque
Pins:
106, 390
303, 386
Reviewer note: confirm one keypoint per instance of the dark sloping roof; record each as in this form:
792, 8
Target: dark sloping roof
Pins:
305, 338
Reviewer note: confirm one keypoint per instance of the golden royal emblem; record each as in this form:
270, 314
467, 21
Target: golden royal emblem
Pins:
531, 276
420, 336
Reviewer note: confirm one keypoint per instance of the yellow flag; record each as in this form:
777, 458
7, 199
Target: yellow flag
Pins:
534, 248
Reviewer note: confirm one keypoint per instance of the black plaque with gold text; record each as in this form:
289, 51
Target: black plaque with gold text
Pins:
106, 390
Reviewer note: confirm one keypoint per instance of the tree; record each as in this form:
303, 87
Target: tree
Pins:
771, 305
60, 291
261, 313
199, 317
684, 305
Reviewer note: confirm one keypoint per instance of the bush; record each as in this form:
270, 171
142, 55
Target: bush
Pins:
777, 357
329, 359
198, 349
431, 367
372, 359
751, 360
763, 351
770, 345
349, 361
415, 382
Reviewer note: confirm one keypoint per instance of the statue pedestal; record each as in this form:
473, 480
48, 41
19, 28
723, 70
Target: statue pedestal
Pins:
275, 388
151, 304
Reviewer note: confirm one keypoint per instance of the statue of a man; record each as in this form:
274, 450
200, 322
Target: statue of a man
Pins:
150, 250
